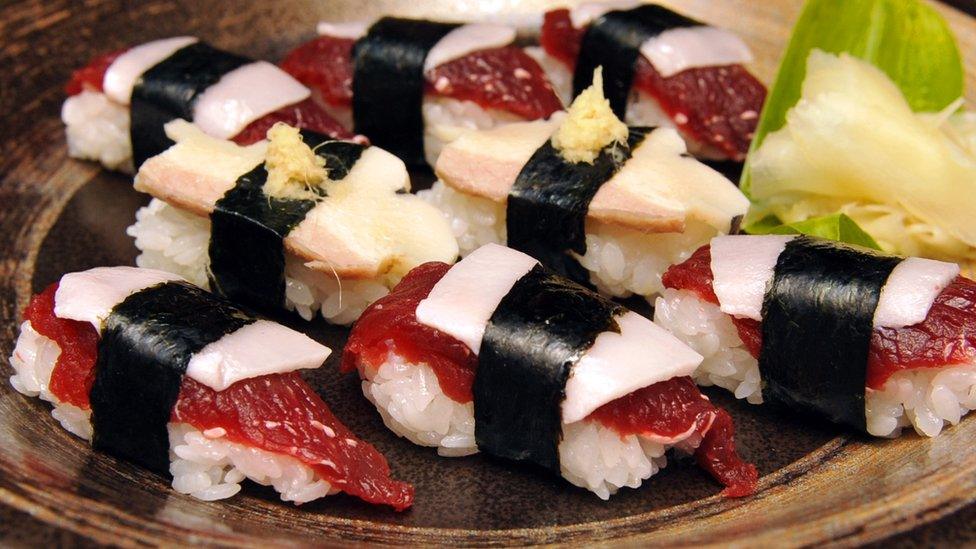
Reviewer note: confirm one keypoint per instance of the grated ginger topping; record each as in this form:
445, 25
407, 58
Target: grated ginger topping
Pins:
590, 125
294, 170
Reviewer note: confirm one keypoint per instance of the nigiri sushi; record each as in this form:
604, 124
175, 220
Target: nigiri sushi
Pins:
159, 372
118, 103
500, 355
300, 221
661, 69
599, 202
874, 342
410, 85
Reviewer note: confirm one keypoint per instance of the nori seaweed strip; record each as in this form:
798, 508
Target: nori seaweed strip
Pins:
388, 84
247, 251
817, 321
540, 329
143, 353
613, 42
547, 205
169, 90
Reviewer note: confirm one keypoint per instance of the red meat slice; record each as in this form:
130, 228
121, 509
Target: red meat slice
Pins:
715, 106
91, 75
667, 409
505, 78
947, 336
305, 115
276, 413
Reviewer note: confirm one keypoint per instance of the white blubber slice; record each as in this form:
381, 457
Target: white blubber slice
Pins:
257, 349
910, 291
468, 39
90, 296
123, 73
742, 268
461, 302
347, 29
618, 364
683, 48
243, 95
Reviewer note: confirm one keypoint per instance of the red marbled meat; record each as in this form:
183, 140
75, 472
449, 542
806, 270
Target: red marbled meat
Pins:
947, 336
715, 106
74, 371
276, 413
667, 409
307, 114
505, 79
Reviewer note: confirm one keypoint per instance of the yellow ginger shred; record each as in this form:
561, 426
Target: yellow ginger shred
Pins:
294, 170
590, 125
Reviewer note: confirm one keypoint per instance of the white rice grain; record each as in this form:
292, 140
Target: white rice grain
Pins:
98, 129
409, 398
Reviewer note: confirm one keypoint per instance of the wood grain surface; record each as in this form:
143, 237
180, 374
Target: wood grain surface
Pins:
60, 215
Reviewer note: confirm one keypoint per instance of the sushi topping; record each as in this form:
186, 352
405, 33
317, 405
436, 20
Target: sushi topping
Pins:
502, 78
388, 84
123, 74
665, 411
590, 125
614, 41
535, 337
818, 316
716, 106
293, 167
249, 223
146, 345
307, 115
548, 203
169, 90
276, 413
74, 370
91, 77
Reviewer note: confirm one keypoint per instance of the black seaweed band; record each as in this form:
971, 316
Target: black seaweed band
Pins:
388, 84
817, 322
547, 205
538, 332
613, 42
143, 353
247, 229
169, 91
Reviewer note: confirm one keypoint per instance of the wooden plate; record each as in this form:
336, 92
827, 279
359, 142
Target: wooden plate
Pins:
59, 215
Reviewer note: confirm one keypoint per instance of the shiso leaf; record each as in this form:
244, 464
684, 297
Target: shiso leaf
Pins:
837, 227
907, 39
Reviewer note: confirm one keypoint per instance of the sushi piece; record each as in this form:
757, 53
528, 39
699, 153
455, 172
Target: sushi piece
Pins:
661, 69
300, 221
499, 354
411, 85
118, 103
874, 342
158, 372
597, 201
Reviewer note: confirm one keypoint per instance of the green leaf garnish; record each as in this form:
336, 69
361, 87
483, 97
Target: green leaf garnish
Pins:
837, 227
907, 39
